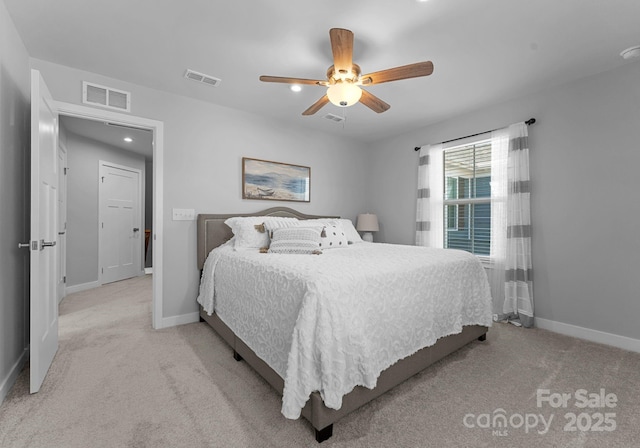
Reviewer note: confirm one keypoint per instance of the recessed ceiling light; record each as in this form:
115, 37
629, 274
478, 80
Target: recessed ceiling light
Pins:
128, 139
631, 53
296, 88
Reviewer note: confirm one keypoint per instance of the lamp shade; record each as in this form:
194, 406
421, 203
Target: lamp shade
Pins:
367, 222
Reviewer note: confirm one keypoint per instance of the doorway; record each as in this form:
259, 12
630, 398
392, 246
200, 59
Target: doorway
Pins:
156, 128
62, 220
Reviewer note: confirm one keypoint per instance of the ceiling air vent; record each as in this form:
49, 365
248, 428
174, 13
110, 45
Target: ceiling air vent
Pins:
201, 77
97, 95
335, 118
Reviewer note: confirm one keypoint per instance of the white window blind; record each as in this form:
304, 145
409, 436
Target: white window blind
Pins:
467, 197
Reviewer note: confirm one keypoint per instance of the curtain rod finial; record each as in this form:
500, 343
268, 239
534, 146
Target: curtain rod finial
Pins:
530, 121
417, 148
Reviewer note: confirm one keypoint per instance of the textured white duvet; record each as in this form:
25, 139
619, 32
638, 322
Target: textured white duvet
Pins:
333, 321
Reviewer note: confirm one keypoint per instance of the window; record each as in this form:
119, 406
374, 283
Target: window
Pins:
467, 197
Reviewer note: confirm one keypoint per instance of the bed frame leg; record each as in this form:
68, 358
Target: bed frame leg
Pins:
483, 337
324, 433
237, 356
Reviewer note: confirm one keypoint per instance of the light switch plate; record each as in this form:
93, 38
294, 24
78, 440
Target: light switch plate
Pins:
184, 214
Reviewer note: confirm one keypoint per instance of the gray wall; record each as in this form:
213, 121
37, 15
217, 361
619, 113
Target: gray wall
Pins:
83, 159
204, 145
14, 200
585, 154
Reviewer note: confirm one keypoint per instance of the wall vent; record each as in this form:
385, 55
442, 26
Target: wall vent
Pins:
97, 95
201, 77
336, 118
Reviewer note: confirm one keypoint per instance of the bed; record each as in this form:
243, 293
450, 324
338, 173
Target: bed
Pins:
319, 341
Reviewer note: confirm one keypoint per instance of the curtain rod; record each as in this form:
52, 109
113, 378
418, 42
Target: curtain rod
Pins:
529, 122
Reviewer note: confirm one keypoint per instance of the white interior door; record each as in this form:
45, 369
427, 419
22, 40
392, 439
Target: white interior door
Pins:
44, 229
62, 221
121, 240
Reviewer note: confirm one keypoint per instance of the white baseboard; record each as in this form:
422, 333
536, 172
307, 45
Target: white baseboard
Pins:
588, 334
81, 287
180, 320
9, 381
148, 271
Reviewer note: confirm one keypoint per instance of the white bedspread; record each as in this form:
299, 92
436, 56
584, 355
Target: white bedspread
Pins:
333, 321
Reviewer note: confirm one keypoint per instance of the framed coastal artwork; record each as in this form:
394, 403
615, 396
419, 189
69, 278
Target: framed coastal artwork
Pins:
275, 181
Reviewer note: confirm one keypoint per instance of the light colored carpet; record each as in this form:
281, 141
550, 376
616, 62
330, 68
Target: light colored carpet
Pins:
115, 382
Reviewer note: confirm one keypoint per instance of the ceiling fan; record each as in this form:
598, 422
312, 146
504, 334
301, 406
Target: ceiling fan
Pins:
344, 77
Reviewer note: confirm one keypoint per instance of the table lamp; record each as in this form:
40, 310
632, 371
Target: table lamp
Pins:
367, 223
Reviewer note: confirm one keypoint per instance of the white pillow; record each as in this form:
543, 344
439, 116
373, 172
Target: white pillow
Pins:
271, 225
246, 236
333, 237
296, 240
322, 221
350, 231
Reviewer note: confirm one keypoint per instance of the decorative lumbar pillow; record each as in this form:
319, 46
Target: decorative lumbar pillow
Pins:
296, 240
333, 237
245, 233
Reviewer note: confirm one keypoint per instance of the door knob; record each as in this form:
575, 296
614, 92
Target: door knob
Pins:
24, 245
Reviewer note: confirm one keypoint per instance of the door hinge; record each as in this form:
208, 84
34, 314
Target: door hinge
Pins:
102, 270
65, 170
64, 279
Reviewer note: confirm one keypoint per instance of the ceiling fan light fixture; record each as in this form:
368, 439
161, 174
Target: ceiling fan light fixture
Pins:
344, 94
631, 53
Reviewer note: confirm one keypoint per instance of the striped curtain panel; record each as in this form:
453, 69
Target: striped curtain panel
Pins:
429, 207
518, 269
511, 274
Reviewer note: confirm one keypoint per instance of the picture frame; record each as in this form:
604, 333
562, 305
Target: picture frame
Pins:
275, 181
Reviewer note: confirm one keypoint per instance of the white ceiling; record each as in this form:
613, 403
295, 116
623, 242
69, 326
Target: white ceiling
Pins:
111, 134
484, 51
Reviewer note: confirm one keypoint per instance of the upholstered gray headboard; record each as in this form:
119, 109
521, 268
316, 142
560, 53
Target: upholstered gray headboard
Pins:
212, 231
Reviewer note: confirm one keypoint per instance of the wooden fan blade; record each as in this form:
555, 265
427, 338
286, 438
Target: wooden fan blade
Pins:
266, 78
315, 107
342, 48
373, 102
394, 74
